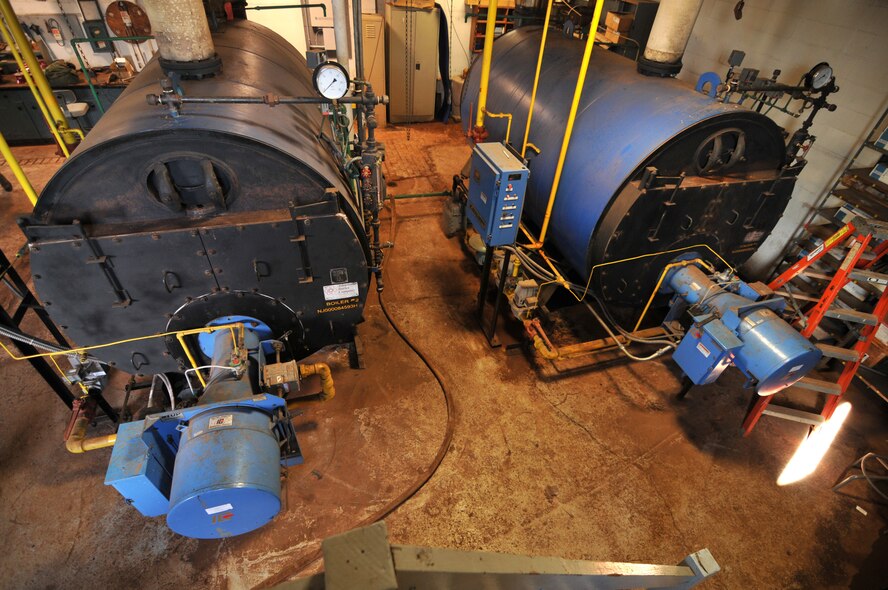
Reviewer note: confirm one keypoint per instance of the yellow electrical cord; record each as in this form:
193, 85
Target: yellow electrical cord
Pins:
180, 334
564, 283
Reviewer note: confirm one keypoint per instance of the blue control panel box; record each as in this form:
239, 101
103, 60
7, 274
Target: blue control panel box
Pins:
497, 183
141, 474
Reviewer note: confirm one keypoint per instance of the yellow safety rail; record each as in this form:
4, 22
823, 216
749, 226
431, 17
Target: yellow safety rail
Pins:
17, 170
43, 88
31, 80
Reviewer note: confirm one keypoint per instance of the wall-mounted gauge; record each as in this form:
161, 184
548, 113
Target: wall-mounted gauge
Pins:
819, 76
331, 80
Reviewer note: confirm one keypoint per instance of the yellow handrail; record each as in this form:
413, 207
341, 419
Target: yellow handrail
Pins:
26, 74
17, 170
43, 87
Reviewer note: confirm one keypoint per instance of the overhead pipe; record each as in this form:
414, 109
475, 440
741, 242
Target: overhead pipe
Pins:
669, 37
571, 119
27, 52
479, 133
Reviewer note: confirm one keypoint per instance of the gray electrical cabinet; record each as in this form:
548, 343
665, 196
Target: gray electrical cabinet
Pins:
412, 36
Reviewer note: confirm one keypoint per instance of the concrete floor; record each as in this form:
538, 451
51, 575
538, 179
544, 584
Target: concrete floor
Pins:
600, 466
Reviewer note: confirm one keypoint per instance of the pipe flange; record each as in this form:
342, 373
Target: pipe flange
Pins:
655, 68
193, 70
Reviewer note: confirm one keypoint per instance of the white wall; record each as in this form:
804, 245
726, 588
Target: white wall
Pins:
38, 11
794, 35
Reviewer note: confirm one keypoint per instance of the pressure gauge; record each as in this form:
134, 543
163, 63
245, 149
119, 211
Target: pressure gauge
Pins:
331, 80
819, 76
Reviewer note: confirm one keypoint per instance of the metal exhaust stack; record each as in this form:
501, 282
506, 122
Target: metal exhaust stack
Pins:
669, 37
183, 37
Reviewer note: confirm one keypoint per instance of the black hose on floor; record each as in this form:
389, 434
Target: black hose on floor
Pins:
420, 482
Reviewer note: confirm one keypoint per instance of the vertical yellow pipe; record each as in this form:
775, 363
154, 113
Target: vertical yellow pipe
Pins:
39, 77
5, 35
578, 91
485, 62
17, 170
536, 77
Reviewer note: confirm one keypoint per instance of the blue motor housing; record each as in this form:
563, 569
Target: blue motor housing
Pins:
213, 469
227, 479
734, 323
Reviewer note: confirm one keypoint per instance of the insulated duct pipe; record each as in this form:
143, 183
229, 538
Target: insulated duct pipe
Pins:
340, 31
340, 35
669, 37
183, 36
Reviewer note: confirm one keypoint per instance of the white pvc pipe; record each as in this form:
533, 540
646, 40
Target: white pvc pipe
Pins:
672, 29
180, 29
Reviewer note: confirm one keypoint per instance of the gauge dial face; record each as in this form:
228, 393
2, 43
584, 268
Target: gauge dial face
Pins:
820, 75
331, 80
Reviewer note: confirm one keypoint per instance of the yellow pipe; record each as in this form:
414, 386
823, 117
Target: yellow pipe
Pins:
17, 170
27, 52
180, 336
77, 442
486, 57
536, 79
508, 125
26, 74
323, 371
571, 118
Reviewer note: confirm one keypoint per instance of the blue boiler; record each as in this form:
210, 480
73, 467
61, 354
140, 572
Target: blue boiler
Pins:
653, 166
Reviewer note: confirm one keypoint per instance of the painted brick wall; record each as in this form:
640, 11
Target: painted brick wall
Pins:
794, 35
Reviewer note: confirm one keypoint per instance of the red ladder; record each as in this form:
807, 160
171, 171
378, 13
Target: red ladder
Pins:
859, 234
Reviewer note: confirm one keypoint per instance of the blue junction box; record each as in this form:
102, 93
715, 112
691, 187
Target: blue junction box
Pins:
497, 183
138, 473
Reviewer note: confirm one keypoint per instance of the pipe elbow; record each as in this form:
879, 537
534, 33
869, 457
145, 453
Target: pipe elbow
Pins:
74, 442
544, 350
322, 370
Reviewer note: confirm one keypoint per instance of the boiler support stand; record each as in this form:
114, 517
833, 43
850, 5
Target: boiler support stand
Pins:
490, 333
